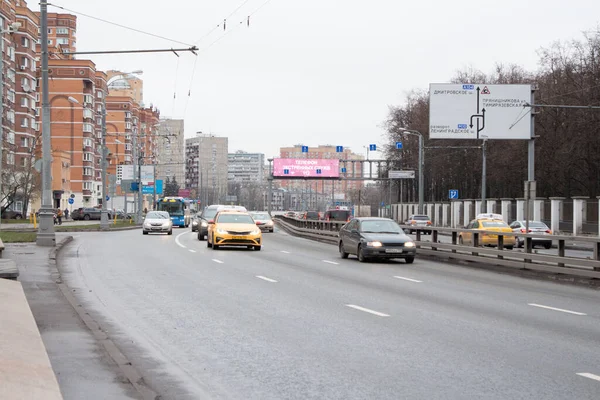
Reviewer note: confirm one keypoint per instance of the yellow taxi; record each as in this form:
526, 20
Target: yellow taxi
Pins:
488, 222
233, 228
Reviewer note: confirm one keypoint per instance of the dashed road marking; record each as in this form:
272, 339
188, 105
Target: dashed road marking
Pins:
588, 375
285, 252
379, 314
264, 278
178, 242
217, 261
408, 279
330, 262
556, 309
192, 251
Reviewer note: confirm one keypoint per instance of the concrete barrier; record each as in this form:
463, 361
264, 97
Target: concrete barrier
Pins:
25, 369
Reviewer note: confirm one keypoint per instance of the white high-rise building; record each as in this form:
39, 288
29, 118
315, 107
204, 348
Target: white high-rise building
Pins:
246, 167
206, 167
171, 151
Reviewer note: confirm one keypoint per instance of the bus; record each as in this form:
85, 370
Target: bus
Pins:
178, 208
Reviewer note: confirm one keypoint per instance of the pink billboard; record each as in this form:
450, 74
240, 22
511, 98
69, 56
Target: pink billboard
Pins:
305, 168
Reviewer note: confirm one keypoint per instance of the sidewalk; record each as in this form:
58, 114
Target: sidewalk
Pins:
82, 366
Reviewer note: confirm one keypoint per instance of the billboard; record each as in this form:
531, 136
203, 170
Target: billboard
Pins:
305, 168
479, 111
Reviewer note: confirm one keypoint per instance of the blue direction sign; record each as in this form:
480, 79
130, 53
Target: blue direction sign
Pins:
71, 201
107, 198
343, 170
399, 145
305, 149
453, 194
383, 204
372, 147
318, 171
339, 149
286, 171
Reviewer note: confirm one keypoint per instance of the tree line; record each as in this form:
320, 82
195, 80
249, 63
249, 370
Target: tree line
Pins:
567, 144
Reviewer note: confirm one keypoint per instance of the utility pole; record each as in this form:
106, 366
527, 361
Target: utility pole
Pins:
104, 213
483, 208
46, 235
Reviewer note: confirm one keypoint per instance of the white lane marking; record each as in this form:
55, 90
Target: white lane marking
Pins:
556, 309
588, 375
217, 261
330, 262
367, 310
407, 279
192, 251
264, 278
177, 240
285, 252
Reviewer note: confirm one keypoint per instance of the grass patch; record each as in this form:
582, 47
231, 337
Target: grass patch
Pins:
91, 227
18, 237
15, 221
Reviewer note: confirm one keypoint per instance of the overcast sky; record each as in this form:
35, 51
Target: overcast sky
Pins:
314, 71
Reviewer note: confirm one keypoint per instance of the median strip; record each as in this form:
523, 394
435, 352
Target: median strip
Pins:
264, 278
556, 309
379, 314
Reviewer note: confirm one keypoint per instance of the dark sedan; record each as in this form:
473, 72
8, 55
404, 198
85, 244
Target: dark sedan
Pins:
376, 238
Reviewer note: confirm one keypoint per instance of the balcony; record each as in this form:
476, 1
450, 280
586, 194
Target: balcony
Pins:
87, 193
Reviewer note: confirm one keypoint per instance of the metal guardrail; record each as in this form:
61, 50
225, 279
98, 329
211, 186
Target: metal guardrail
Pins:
527, 259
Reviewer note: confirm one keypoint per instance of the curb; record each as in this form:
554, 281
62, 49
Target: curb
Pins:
125, 228
126, 367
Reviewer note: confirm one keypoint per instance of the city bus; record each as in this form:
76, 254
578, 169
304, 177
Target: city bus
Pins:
178, 208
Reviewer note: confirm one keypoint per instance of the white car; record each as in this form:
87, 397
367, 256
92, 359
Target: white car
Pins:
158, 221
263, 221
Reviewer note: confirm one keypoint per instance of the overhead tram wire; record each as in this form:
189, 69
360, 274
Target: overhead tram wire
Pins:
121, 25
217, 40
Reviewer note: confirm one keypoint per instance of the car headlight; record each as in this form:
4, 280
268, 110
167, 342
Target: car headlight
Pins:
255, 232
374, 244
166, 224
269, 223
221, 231
409, 244
146, 225
195, 223
204, 223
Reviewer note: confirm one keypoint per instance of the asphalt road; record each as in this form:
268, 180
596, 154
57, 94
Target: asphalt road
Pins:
294, 321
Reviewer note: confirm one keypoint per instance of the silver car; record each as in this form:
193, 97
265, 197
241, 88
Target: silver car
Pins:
535, 228
158, 221
263, 221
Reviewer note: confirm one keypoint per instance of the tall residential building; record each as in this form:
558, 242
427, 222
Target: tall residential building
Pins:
171, 157
62, 33
19, 135
126, 85
206, 167
326, 152
246, 167
122, 119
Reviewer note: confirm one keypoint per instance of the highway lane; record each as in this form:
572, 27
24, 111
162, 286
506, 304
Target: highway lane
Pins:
296, 321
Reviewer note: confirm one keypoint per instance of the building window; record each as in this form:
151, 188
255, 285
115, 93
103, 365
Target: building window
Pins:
98, 120
11, 138
62, 41
10, 158
87, 142
25, 142
11, 116
62, 31
87, 113
87, 171
11, 96
87, 127
25, 123
88, 156
24, 162
11, 75
128, 125
99, 94
87, 185
24, 102
87, 99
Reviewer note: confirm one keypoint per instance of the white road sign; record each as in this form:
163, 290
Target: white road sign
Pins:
401, 174
147, 172
124, 172
477, 111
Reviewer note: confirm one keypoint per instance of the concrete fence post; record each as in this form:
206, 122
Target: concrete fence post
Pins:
579, 203
521, 209
467, 212
505, 210
491, 205
538, 208
556, 205
445, 214
478, 209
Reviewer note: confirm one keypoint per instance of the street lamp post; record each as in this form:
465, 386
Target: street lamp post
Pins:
483, 208
104, 212
421, 164
46, 235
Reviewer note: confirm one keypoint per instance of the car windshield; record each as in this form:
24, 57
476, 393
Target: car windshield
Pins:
536, 224
209, 213
261, 216
380, 226
494, 224
157, 215
235, 219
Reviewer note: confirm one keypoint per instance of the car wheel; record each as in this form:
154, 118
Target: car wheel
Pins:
86, 217
361, 254
200, 237
343, 254
410, 260
257, 248
547, 246
214, 246
145, 232
170, 232
18, 216
208, 244
271, 231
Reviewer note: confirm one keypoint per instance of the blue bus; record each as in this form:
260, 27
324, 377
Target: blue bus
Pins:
178, 208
